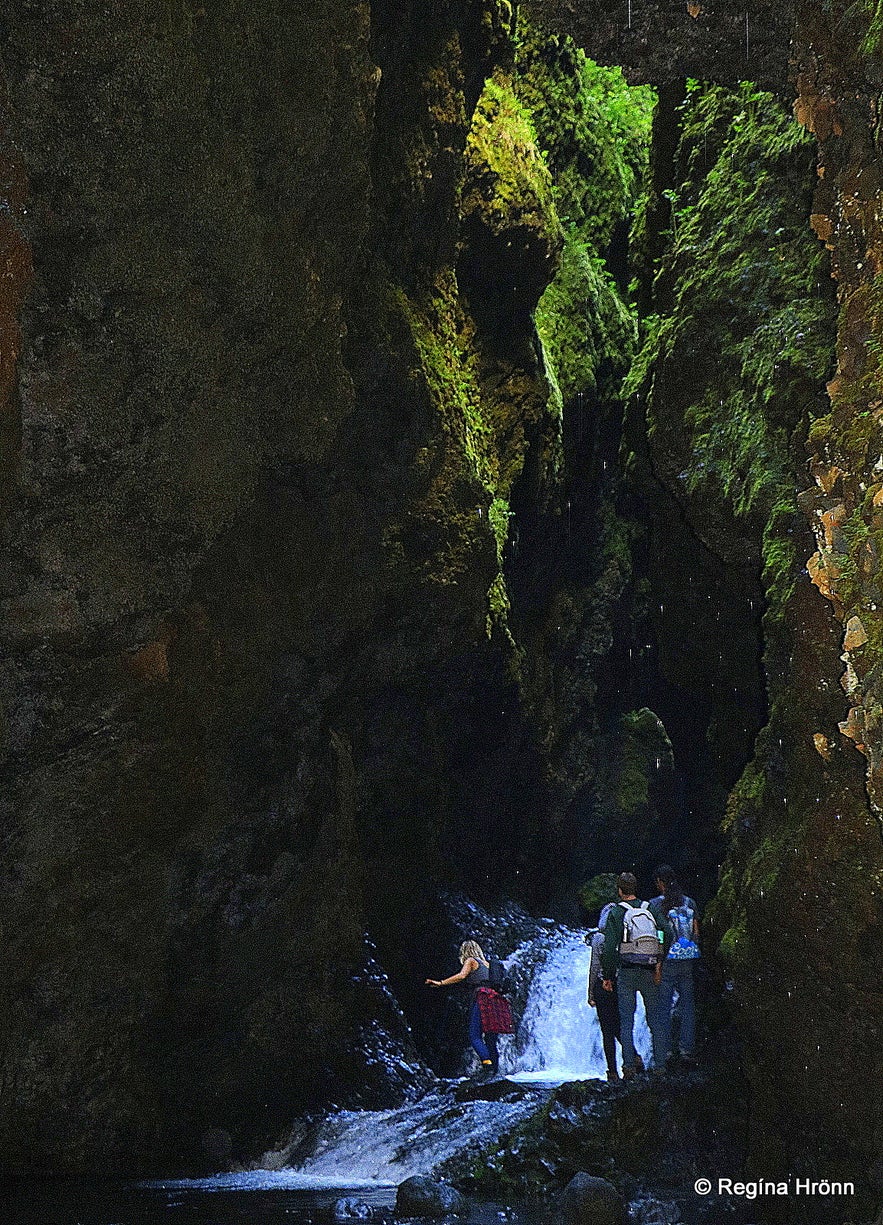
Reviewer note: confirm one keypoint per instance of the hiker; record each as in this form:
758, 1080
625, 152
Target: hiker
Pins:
678, 918
606, 1002
631, 954
489, 1013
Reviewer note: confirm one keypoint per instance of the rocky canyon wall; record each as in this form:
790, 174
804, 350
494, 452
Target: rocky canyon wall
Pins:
268, 687
803, 820
321, 581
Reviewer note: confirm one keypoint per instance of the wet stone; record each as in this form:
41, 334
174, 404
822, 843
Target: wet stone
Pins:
424, 1197
587, 1200
497, 1091
348, 1208
655, 1212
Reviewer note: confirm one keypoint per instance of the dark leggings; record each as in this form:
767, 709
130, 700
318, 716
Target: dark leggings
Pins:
607, 1005
484, 1045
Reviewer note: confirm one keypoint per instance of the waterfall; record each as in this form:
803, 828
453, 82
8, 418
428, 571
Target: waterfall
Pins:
558, 1040
559, 1037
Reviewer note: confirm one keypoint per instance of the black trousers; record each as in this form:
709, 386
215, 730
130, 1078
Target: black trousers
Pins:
607, 1005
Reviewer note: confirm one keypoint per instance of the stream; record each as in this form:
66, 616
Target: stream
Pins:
364, 1155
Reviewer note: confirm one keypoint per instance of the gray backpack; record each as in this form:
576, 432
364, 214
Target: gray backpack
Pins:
640, 941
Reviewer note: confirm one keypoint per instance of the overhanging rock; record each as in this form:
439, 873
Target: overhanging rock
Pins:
656, 41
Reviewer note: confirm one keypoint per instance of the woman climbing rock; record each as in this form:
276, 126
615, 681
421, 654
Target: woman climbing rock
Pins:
489, 1013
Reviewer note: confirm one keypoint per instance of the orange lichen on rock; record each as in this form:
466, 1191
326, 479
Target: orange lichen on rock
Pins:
824, 574
826, 475
853, 727
823, 745
855, 636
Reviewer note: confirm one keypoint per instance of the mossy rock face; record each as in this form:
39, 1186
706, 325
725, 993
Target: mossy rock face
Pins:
511, 232
597, 892
262, 676
803, 843
650, 1134
742, 342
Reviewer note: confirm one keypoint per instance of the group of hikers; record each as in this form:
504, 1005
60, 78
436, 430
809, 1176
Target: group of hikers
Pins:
644, 948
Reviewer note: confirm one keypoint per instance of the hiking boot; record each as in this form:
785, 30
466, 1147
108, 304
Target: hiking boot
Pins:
612, 1078
629, 1073
639, 1063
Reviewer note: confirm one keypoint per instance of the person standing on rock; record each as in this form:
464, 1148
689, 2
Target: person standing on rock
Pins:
631, 956
606, 1002
678, 919
475, 971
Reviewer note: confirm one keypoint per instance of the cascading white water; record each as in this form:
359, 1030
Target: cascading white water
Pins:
559, 1039
559, 1036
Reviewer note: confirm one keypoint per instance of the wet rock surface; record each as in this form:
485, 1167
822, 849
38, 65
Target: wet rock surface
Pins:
650, 1139
425, 1197
587, 1200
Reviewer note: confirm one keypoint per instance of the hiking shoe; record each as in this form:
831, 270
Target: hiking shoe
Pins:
612, 1078
629, 1073
639, 1063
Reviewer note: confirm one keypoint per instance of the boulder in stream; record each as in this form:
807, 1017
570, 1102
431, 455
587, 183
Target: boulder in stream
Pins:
423, 1196
587, 1200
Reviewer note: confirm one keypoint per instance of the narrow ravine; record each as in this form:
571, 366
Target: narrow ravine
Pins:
558, 1040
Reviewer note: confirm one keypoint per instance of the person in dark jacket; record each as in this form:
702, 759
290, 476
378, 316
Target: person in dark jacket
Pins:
475, 972
634, 964
606, 1002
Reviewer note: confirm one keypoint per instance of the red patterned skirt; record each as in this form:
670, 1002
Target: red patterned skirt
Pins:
495, 1013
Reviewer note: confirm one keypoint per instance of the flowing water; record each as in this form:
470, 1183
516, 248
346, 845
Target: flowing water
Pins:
559, 1036
367, 1153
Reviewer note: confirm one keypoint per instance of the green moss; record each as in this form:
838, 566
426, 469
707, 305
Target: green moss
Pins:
747, 318
873, 43
583, 321
594, 131
645, 748
598, 891
593, 127
509, 182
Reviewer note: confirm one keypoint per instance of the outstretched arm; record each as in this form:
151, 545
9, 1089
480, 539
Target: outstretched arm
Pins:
468, 966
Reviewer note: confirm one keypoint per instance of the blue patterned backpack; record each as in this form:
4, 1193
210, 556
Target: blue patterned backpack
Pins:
680, 922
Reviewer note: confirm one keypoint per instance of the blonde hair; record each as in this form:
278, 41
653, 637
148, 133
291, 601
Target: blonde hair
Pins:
471, 948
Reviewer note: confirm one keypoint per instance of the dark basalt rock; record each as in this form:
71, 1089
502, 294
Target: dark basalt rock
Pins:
496, 1091
587, 1200
664, 40
422, 1196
